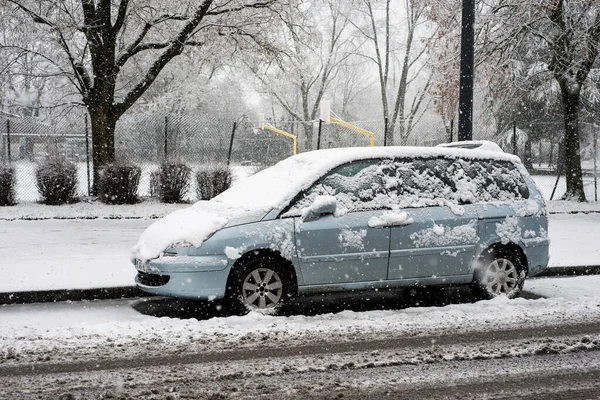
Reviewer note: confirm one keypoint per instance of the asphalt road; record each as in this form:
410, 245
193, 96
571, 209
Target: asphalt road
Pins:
552, 362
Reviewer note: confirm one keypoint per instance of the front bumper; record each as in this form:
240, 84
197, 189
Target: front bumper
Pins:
193, 278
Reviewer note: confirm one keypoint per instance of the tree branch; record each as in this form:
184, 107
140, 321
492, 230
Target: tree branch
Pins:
175, 48
133, 49
243, 7
122, 13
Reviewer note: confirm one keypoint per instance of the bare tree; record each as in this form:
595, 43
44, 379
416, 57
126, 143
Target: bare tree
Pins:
398, 114
97, 43
318, 46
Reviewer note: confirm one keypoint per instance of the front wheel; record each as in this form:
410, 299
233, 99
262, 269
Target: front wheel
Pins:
260, 284
500, 273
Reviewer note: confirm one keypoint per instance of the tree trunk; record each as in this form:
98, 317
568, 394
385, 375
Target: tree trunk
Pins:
572, 158
309, 136
103, 138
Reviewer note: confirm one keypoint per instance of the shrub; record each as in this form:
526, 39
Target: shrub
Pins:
56, 180
174, 182
212, 180
118, 183
7, 185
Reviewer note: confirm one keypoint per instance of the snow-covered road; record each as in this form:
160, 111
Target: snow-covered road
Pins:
48, 350
80, 254
126, 328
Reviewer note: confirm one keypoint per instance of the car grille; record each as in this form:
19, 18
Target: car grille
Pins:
152, 279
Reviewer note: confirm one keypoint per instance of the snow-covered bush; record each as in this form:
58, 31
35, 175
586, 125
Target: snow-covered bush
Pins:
174, 182
56, 180
7, 185
212, 180
118, 183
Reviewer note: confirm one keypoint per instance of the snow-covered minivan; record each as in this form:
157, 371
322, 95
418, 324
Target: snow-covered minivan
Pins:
354, 219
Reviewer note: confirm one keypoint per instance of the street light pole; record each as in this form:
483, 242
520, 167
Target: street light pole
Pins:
467, 69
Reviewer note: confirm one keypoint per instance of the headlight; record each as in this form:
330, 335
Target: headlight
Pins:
170, 252
141, 266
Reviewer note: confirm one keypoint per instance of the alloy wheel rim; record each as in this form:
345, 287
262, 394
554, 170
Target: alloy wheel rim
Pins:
262, 288
501, 277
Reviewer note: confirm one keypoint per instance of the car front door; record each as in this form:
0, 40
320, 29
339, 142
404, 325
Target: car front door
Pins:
341, 247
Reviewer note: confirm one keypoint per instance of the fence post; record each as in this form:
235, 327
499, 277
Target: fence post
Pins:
231, 143
165, 156
385, 131
8, 140
514, 138
87, 152
319, 134
451, 130
559, 166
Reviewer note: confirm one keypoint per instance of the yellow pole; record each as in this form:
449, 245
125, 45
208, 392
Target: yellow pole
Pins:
357, 129
279, 131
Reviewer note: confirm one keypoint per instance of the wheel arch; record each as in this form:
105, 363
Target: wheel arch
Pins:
268, 254
510, 246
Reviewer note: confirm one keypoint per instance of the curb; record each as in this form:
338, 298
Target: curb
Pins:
581, 270
124, 292
50, 296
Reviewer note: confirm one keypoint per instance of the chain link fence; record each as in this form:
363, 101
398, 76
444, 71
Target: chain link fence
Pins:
197, 140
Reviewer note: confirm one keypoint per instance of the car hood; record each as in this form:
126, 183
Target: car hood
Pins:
192, 226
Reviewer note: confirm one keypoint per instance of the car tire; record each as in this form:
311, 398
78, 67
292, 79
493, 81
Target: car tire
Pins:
499, 273
261, 284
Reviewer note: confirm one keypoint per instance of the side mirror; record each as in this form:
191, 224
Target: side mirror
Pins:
322, 205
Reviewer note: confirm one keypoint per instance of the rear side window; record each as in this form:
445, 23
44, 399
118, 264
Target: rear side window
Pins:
430, 181
477, 181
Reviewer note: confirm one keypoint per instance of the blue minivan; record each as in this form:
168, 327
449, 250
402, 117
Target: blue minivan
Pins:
354, 219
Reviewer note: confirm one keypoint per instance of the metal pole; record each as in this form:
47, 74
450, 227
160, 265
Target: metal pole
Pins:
467, 69
8, 140
231, 143
87, 152
166, 137
451, 130
514, 138
595, 170
319, 134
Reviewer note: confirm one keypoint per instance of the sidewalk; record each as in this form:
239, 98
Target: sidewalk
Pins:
61, 259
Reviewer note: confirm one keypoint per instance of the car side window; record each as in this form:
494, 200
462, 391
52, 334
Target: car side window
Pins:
424, 182
357, 186
479, 181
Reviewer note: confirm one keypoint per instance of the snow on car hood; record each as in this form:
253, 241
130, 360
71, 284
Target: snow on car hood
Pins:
190, 226
273, 188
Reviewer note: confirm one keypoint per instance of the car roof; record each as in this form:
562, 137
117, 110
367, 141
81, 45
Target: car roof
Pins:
276, 185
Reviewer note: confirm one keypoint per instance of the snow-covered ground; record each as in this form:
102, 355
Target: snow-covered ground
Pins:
83, 253
113, 328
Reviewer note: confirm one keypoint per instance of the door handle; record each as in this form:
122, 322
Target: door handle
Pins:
390, 219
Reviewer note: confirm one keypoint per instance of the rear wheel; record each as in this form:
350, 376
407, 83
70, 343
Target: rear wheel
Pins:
260, 284
499, 274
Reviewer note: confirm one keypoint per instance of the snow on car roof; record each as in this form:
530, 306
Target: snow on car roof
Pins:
274, 187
